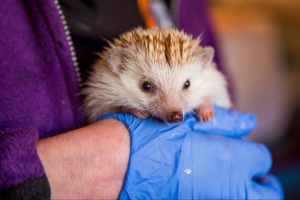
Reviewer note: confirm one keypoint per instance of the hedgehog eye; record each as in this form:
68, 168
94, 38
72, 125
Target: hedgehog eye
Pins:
147, 87
186, 84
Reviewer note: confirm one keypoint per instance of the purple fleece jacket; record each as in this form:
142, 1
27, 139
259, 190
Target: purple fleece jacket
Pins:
38, 84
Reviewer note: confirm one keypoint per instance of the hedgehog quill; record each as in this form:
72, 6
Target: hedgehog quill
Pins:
156, 73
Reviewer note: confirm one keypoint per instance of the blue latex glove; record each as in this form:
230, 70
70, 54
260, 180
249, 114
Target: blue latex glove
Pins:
192, 160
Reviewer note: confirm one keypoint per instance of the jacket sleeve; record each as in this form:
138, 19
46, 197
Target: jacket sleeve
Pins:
38, 92
21, 172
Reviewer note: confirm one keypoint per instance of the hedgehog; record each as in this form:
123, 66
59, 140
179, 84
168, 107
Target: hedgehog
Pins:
155, 73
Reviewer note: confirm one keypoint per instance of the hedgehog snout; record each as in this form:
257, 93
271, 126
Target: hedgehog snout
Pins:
175, 117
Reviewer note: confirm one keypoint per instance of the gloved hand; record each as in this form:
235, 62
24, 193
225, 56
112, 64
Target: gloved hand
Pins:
193, 160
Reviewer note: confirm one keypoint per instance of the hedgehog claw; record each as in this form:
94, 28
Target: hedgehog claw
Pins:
140, 114
206, 113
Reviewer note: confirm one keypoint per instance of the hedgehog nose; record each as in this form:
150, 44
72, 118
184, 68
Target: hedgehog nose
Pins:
175, 117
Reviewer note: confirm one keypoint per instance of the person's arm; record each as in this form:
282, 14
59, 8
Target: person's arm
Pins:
86, 163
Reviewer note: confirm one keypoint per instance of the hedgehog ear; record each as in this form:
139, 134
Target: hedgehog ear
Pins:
115, 60
207, 55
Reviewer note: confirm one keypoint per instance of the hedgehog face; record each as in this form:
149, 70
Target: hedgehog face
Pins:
162, 91
160, 72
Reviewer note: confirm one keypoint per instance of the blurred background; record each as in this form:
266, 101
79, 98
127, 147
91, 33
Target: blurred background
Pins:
259, 41
257, 46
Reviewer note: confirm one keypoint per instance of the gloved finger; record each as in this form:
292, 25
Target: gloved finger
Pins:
256, 158
267, 187
228, 123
